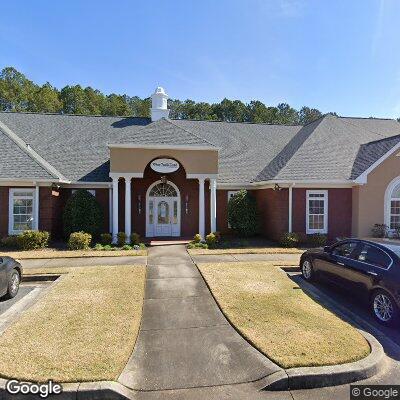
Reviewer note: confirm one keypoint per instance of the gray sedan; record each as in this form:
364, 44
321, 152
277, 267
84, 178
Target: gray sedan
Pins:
10, 277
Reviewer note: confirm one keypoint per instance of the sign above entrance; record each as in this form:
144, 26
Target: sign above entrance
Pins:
164, 165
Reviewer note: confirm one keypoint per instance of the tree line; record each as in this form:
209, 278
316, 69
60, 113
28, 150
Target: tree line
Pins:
18, 93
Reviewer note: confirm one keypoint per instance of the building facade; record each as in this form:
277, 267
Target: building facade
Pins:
173, 178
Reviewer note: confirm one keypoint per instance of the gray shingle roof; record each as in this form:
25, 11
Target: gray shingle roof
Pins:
18, 164
330, 148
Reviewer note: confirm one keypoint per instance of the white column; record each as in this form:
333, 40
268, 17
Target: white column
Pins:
201, 207
115, 209
36, 209
128, 215
290, 207
110, 209
213, 204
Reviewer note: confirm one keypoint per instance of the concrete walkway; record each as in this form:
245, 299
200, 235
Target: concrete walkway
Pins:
184, 339
209, 258
83, 261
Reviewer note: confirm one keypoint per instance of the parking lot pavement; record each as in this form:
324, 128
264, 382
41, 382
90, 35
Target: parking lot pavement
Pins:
353, 303
23, 291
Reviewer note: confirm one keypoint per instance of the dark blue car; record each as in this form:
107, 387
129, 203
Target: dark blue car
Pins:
10, 277
367, 268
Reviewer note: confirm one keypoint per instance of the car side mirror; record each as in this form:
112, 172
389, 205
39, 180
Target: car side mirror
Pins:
327, 249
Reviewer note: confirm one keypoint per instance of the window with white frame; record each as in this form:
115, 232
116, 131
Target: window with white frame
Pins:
231, 193
394, 222
91, 191
21, 210
317, 211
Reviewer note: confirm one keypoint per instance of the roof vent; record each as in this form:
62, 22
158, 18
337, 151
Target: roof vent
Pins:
159, 107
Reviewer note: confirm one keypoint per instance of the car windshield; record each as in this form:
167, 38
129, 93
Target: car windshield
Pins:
395, 248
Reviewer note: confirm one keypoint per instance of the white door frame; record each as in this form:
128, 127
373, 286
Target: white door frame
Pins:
150, 228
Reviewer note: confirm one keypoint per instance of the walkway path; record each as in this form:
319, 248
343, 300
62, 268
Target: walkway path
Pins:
184, 340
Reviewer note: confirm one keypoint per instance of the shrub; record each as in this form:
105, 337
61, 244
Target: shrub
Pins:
98, 247
218, 236
242, 214
211, 240
126, 247
317, 239
121, 239
82, 213
79, 240
107, 247
289, 239
198, 245
105, 238
379, 230
10, 242
197, 238
135, 238
32, 240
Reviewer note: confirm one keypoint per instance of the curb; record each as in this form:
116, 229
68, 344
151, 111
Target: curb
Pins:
317, 377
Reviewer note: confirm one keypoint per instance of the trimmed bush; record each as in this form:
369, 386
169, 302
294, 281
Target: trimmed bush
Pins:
98, 247
289, 239
379, 230
211, 240
32, 240
105, 238
243, 214
198, 245
79, 240
121, 239
197, 238
126, 247
82, 213
135, 238
317, 239
10, 242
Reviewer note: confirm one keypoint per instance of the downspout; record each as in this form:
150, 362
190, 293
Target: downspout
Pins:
290, 227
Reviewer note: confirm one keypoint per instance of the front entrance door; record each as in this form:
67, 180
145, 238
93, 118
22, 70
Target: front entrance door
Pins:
163, 210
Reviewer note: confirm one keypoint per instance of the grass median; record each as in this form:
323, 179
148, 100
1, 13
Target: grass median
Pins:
83, 329
278, 318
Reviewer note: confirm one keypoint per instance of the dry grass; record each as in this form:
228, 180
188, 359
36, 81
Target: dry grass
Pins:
55, 253
275, 315
83, 329
250, 250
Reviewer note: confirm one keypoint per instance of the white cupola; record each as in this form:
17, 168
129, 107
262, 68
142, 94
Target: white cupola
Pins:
159, 107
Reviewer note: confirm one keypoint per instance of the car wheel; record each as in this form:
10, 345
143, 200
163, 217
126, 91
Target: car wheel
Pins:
307, 269
384, 308
13, 284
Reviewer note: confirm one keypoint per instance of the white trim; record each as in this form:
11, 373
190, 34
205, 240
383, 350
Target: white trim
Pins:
363, 177
387, 200
32, 153
160, 146
125, 175
325, 198
87, 185
201, 176
178, 199
35, 208
213, 205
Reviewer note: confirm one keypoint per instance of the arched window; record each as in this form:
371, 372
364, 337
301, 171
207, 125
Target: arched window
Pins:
163, 190
394, 222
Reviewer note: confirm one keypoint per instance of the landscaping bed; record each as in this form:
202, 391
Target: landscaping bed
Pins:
277, 317
58, 253
83, 329
249, 250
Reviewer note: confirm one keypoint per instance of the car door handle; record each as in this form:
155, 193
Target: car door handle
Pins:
340, 263
372, 273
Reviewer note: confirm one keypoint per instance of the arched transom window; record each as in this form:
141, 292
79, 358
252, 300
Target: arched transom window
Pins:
163, 190
395, 208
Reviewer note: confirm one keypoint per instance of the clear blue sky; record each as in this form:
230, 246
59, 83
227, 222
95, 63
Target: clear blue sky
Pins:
338, 55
